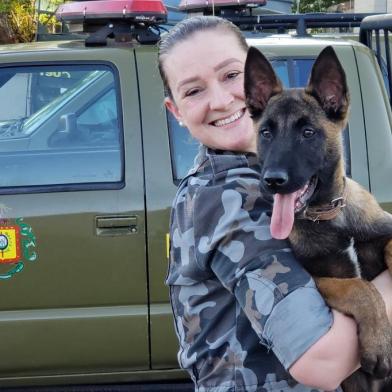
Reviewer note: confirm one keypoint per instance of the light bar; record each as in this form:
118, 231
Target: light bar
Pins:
198, 5
103, 11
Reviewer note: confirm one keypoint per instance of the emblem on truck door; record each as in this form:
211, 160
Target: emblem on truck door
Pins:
17, 245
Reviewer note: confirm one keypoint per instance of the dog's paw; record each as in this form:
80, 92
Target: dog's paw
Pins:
376, 352
378, 365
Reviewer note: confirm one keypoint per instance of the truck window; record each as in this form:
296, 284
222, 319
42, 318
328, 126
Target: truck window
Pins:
292, 72
61, 127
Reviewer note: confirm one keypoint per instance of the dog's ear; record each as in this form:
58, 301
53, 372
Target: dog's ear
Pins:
328, 85
261, 83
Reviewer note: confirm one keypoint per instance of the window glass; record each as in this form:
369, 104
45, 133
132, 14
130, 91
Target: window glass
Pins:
281, 70
183, 148
301, 70
292, 72
59, 125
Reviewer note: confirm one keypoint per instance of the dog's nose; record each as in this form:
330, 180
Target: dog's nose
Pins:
275, 178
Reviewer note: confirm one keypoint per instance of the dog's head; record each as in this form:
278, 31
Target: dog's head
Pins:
299, 133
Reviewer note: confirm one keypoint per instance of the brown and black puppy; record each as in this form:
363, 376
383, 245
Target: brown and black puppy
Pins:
336, 228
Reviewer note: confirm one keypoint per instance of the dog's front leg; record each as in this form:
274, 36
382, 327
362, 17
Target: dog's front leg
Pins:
361, 300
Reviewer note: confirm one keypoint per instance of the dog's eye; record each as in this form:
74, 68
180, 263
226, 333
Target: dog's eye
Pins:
266, 133
308, 132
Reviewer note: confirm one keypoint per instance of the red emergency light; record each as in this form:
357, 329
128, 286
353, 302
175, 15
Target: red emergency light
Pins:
205, 5
104, 11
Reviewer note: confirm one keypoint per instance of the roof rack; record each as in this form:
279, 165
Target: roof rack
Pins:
377, 24
298, 22
122, 20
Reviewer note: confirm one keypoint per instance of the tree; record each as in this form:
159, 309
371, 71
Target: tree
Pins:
304, 6
5, 30
22, 18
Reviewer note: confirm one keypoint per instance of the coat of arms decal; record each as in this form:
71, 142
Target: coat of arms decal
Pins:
17, 246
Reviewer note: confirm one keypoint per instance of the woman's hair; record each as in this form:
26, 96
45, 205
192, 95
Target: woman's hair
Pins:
185, 29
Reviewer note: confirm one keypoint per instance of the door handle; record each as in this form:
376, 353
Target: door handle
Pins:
116, 225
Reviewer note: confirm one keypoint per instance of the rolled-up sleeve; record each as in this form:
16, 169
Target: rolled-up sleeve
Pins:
280, 299
296, 323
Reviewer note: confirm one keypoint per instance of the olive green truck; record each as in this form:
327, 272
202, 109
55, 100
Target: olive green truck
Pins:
90, 163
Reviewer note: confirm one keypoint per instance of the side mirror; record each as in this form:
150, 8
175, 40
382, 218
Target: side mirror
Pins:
67, 124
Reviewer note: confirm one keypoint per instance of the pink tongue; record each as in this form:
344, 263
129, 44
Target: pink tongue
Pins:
282, 219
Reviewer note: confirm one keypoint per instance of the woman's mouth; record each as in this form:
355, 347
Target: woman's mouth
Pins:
228, 120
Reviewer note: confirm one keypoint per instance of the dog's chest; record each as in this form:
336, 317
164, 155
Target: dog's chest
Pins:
326, 252
353, 258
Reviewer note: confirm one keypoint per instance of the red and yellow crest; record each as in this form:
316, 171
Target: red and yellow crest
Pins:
17, 245
9, 244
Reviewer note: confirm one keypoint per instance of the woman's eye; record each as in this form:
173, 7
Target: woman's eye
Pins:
308, 132
266, 133
232, 75
192, 92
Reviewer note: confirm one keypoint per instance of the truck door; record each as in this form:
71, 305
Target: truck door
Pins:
73, 296
160, 190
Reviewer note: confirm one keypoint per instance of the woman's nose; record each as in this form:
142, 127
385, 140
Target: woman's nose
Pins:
220, 97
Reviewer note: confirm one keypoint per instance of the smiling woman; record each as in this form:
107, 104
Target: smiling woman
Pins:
208, 96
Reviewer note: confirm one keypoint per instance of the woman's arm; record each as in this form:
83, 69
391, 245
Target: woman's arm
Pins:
332, 358
336, 354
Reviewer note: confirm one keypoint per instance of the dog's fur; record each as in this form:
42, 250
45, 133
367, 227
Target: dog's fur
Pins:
343, 244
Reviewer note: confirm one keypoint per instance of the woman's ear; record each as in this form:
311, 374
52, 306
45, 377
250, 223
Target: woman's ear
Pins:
172, 107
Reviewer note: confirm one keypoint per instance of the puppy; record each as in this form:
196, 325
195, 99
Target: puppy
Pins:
336, 228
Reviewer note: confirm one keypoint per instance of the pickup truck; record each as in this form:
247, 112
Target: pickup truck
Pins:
90, 164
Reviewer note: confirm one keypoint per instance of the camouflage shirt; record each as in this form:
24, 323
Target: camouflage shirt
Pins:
244, 309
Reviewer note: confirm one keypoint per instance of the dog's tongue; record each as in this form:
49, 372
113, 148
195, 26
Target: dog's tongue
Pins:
282, 219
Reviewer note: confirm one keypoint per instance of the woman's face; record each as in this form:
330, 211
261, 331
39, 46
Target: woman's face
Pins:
206, 77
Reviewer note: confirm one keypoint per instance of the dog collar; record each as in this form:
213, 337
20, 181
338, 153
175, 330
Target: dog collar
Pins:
328, 211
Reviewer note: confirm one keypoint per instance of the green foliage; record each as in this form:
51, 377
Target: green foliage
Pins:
5, 6
23, 17
313, 5
47, 18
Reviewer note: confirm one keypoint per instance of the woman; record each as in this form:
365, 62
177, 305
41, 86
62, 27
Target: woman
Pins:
248, 317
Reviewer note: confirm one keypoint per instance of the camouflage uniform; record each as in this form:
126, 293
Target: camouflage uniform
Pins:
244, 309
